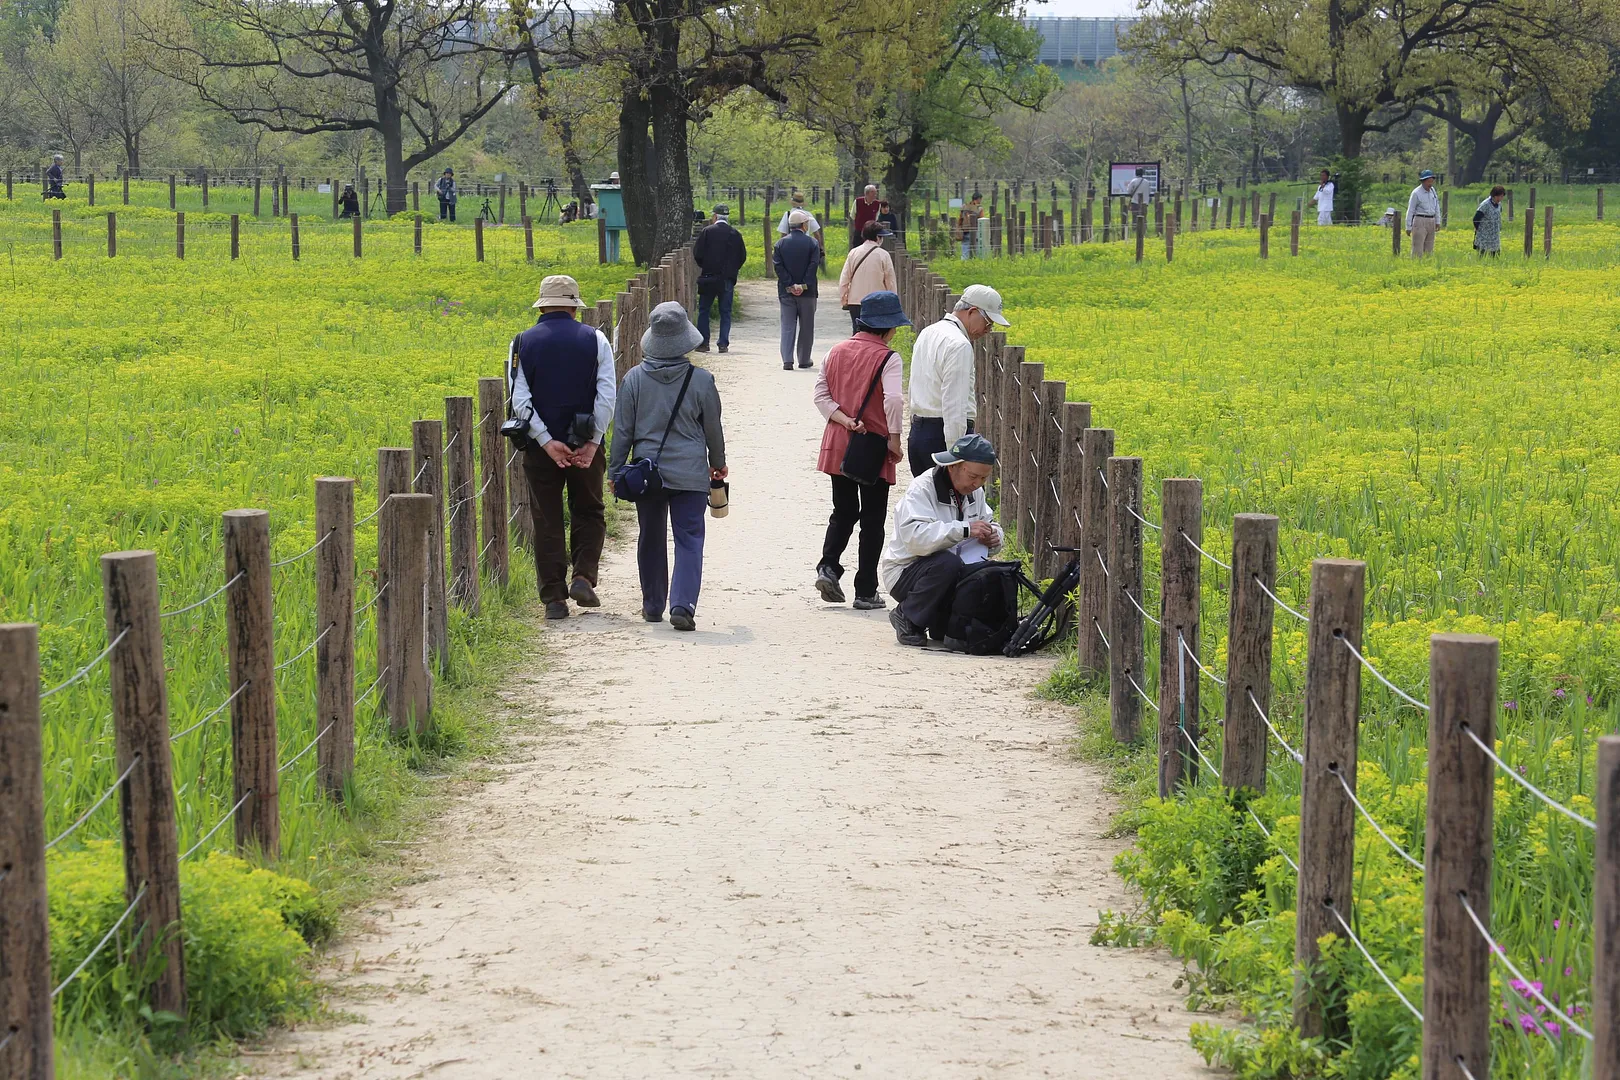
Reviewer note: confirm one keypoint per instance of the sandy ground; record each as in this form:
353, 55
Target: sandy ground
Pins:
781, 846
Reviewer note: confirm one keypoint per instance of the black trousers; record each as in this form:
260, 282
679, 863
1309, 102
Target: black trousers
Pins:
579, 538
868, 506
927, 587
927, 438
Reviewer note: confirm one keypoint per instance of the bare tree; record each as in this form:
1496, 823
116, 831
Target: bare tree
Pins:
419, 73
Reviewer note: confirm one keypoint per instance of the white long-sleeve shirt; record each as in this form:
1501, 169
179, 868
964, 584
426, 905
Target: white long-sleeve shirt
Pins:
931, 516
1425, 202
606, 395
1138, 189
812, 228
1324, 198
942, 376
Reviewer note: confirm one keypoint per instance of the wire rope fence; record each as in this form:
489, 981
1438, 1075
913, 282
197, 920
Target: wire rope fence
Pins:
411, 500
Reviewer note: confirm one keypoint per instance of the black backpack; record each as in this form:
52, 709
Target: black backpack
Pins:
984, 611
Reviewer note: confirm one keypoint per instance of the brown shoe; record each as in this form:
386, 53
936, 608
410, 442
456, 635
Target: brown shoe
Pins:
583, 594
556, 609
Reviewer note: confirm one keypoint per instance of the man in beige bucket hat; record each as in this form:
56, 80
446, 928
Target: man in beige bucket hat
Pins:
563, 381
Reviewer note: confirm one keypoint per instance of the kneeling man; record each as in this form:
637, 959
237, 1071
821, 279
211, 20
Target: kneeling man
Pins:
941, 523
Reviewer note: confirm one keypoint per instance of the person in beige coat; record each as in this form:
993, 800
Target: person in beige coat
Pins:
867, 270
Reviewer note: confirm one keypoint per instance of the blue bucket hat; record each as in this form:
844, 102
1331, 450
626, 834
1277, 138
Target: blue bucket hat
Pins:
1426, 174
881, 310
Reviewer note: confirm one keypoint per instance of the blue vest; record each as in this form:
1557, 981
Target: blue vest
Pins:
558, 357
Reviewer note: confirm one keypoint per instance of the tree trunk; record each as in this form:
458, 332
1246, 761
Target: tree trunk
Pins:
1482, 134
1187, 121
563, 127
572, 161
1352, 129
635, 115
132, 151
391, 126
672, 190
900, 172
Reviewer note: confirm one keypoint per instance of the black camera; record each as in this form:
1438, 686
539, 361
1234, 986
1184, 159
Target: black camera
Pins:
517, 429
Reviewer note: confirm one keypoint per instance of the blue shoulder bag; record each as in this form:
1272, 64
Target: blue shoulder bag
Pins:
635, 480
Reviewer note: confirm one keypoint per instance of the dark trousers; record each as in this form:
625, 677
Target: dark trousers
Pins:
927, 438
682, 511
868, 506
927, 587
586, 523
854, 316
447, 209
708, 292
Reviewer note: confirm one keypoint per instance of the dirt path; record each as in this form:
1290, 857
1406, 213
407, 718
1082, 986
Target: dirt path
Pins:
782, 846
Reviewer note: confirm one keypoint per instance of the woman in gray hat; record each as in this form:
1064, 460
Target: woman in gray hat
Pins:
663, 385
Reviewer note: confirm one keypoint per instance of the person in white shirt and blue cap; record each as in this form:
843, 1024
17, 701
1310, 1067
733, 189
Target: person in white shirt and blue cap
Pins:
941, 523
1423, 215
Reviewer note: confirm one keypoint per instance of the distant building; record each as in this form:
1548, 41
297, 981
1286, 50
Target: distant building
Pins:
1076, 42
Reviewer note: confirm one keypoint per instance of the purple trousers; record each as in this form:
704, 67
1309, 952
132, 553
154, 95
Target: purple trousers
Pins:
682, 510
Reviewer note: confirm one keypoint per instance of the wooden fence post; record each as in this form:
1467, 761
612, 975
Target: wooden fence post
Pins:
1293, 233
427, 442
1457, 998
1048, 444
1600, 204
25, 938
56, 234
1181, 518
112, 235
357, 236
500, 213
1606, 914
1327, 820
256, 203
334, 617
408, 684
236, 237
1071, 478
171, 191
1445, 209
1265, 237
1395, 235
393, 478
204, 178
1096, 446
478, 238
1141, 233
180, 235
463, 502
1248, 651
332, 185
249, 628
1125, 625
528, 239
292, 220
1011, 357
416, 197
1026, 441
523, 200
1170, 239
1546, 235
492, 452
1229, 203
1529, 229
126, 186
136, 678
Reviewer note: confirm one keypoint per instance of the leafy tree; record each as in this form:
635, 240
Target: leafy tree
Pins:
107, 77
417, 72
746, 138
1376, 63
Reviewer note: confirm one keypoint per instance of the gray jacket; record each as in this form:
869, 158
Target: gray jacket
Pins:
696, 442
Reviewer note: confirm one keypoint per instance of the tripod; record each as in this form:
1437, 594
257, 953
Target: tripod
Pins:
551, 208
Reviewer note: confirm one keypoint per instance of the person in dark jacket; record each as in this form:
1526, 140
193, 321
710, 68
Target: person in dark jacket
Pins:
445, 189
689, 461
53, 179
720, 254
564, 385
797, 259
349, 202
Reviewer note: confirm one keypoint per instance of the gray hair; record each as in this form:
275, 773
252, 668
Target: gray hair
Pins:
963, 305
871, 187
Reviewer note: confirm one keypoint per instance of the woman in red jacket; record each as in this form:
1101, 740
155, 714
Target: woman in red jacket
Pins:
858, 391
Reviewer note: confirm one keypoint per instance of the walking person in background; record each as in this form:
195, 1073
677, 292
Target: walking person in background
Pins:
564, 382
811, 229
942, 404
1324, 199
54, 179
866, 209
669, 411
1138, 190
445, 189
1423, 215
720, 254
1488, 223
967, 225
797, 258
868, 269
858, 392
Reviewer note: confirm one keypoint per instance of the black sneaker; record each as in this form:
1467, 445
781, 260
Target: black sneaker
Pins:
681, 619
557, 609
827, 585
869, 603
652, 616
806, 367
905, 631
787, 367
583, 594
704, 347
725, 348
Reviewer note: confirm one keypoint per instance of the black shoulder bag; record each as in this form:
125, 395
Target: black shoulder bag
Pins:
867, 451
635, 480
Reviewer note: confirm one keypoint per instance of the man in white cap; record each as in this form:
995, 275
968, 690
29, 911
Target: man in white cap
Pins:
797, 258
942, 400
563, 382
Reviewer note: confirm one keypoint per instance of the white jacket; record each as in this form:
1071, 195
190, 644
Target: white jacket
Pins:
942, 376
931, 517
